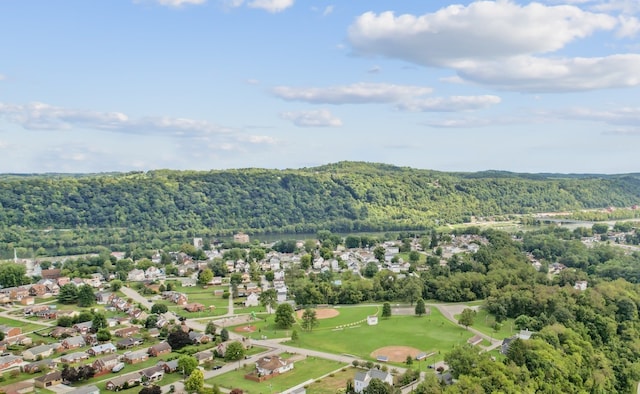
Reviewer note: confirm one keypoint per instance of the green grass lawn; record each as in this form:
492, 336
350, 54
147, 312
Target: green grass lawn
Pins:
331, 384
304, 370
484, 323
427, 333
26, 327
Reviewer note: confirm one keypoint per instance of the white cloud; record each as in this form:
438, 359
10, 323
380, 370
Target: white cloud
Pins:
358, 93
534, 74
40, 116
635, 132
482, 30
502, 44
252, 81
327, 10
314, 118
450, 104
374, 70
273, 6
625, 116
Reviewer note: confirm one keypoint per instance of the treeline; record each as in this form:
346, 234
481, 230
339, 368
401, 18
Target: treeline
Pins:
343, 197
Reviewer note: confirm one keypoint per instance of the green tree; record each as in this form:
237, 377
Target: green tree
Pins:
284, 316
195, 381
309, 319
98, 322
600, 228
224, 335
467, 317
420, 307
86, 296
305, 261
159, 309
115, 285
414, 257
68, 294
386, 310
294, 335
370, 270
269, 299
187, 364
178, 339
210, 329
205, 276
234, 351
12, 275
151, 321
103, 335
379, 253
377, 386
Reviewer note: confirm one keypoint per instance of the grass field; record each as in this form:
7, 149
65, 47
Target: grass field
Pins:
484, 323
304, 370
331, 384
26, 327
427, 333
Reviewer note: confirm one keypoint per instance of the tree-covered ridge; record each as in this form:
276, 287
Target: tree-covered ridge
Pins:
345, 196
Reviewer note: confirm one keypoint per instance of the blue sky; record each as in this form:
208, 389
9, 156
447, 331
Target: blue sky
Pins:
121, 85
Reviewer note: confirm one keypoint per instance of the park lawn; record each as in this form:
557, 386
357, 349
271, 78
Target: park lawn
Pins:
484, 322
348, 315
304, 370
26, 327
426, 333
331, 384
264, 327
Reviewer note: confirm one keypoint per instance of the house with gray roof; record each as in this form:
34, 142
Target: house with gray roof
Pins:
362, 379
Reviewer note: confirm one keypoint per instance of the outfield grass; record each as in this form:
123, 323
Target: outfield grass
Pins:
427, 333
304, 370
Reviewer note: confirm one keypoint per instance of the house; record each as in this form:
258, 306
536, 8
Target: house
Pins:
135, 357
252, 300
9, 361
175, 297
159, 349
37, 290
74, 357
84, 327
85, 390
581, 285
372, 320
128, 343
27, 301
103, 297
194, 307
189, 282
203, 356
105, 348
48, 380
241, 238
152, 374
216, 281
74, 342
53, 274
119, 382
362, 379
39, 366
60, 332
18, 388
135, 275
127, 332
106, 363
42, 351
169, 366
270, 365
198, 337
10, 332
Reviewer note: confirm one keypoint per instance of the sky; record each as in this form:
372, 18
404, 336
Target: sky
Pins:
137, 85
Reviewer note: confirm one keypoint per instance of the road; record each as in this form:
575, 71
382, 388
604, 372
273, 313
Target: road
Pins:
449, 310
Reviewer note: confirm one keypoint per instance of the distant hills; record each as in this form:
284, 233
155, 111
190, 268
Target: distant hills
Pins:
345, 196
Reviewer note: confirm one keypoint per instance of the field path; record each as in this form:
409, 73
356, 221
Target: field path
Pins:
450, 310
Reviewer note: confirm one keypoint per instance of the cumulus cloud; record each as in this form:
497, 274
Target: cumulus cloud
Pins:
41, 116
450, 104
313, 118
272, 6
358, 93
511, 49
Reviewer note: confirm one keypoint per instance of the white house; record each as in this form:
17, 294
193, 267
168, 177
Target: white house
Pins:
252, 300
269, 365
362, 379
581, 285
135, 275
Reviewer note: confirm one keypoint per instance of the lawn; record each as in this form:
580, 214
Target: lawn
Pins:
26, 327
484, 323
331, 384
427, 333
308, 369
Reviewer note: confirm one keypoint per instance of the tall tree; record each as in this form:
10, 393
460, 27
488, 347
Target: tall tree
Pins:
309, 319
234, 351
86, 296
210, 329
284, 316
269, 299
386, 310
186, 364
195, 381
205, 276
12, 275
467, 317
420, 307
98, 322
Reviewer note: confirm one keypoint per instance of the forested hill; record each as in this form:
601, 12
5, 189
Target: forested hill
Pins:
346, 196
